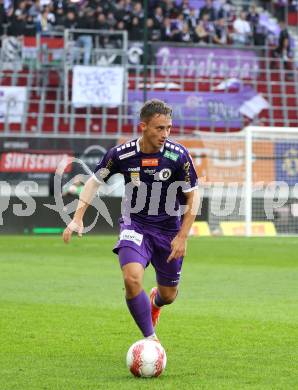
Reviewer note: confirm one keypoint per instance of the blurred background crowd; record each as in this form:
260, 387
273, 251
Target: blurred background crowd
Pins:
218, 22
168, 20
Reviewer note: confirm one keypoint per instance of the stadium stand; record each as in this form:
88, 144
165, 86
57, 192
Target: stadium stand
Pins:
42, 43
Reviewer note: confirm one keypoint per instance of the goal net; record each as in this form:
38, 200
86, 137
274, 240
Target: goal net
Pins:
250, 180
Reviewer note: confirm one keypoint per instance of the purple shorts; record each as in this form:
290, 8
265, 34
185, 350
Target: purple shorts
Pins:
141, 244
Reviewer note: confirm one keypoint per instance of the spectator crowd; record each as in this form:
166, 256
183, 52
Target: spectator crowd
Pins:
168, 20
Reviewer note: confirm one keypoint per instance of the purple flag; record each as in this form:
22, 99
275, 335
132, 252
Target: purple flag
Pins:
195, 109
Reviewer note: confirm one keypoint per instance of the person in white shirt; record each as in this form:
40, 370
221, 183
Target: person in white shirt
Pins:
242, 30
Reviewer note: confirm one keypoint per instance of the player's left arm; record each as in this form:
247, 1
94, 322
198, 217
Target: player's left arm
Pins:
179, 243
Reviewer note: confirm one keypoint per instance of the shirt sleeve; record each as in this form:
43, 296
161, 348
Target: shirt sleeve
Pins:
107, 166
186, 173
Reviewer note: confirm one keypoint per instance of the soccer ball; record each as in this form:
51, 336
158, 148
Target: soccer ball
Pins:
146, 358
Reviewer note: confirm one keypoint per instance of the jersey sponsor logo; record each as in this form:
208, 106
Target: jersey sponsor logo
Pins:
126, 155
103, 173
150, 162
135, 178
150, 171
164, 174
186, 168
107, 168
136, 169
171, 155
131, 235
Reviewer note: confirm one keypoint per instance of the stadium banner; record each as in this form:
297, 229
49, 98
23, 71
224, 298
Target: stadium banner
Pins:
40, 162
261, 228
199, 108
12, 102
206, 62
97, 86
37, 158
287, 164
223, 161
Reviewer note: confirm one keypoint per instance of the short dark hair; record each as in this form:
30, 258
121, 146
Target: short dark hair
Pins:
153, 107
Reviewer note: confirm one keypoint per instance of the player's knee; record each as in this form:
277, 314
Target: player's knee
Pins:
133, 284
169, 297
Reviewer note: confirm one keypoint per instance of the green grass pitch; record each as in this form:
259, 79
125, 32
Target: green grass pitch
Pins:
64, 323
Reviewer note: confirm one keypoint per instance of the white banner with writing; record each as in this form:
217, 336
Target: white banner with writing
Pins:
12, 104
97, 86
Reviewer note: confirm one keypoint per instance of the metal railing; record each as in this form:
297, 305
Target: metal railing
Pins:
48, 108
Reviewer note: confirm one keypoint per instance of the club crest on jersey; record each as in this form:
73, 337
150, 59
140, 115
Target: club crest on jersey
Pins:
149, 162
164, 174
135, 178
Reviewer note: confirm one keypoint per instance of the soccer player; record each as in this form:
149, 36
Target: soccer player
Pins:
160, 179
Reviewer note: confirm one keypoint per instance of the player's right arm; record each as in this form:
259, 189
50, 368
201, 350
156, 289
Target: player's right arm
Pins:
107, 167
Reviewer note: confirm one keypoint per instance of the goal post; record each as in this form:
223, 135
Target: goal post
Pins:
248, 180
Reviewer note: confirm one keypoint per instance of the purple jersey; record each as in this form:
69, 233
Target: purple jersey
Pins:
154, 183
